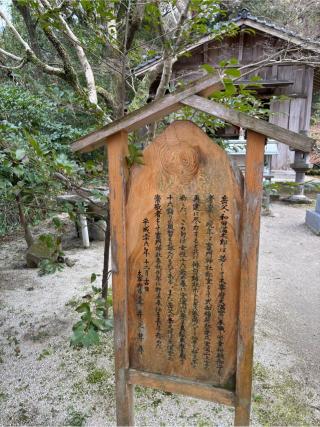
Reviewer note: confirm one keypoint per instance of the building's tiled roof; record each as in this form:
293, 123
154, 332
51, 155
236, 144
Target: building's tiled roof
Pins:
147, 62
245, 14
244, 18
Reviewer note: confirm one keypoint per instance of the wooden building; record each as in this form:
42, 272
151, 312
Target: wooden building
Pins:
256, 41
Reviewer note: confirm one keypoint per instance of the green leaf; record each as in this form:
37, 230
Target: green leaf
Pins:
18, 171
78, 335
255, 78
57, 222
83, 308
90, 338
109, 324
208, 68
47, 239
4, 183
229, 87
95, 289
98, 323
233, 72
233, 61
223, 63
100, 302
20, 153
35, 145
135, 156
93, 277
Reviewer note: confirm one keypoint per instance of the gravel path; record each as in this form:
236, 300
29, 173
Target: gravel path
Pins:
45, 382
289, 293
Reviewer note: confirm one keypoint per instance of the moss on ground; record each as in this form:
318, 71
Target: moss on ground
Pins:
97, 376
75, 418
279, 399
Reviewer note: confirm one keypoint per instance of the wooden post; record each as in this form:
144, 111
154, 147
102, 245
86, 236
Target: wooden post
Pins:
117, 150
249, 269
84, 231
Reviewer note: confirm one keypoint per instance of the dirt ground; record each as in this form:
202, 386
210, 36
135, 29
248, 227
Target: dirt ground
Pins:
43, 381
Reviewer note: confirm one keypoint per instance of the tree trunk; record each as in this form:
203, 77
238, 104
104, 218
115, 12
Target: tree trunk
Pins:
31, 26
23, 221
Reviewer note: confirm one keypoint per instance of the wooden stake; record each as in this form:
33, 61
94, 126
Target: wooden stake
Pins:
117, 150
84, 231
249, 269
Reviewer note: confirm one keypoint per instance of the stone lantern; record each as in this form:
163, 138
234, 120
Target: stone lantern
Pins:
300, 165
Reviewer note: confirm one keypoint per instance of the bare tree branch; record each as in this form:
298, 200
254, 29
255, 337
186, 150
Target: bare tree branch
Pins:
169, 49
107, 96
30, 55
134, 23
71, 75
30, 25
16, 67
10, 55
86, 67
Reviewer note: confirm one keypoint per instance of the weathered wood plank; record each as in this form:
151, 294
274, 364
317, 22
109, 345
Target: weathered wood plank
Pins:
149, 113
117, 149
299, 142
183, 386
280, 112
249, 269
308, 83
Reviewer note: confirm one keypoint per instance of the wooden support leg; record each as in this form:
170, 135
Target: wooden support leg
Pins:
249, 269
117, 150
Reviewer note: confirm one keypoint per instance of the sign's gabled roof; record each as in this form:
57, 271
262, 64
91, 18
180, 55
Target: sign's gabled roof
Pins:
171, 102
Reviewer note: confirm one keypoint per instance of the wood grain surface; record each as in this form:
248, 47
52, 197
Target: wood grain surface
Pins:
249, 272
117, 151
183, 216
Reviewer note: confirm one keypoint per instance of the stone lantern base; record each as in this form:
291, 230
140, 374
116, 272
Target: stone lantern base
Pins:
300, 166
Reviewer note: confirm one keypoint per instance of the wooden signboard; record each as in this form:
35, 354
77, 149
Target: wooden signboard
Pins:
185, 239
185, 243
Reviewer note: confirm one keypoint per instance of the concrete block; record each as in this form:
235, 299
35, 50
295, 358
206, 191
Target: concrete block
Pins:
318, 204
313, 221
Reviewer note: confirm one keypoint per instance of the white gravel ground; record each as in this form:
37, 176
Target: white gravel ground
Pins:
45, 382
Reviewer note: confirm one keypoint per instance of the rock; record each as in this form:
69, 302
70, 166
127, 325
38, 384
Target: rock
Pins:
97, 210
97, 230
69, 262
39, 251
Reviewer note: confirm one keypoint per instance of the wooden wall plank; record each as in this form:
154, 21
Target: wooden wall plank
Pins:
117, 150
280, 111
308, 82
249, 269
181, 386
296, 111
